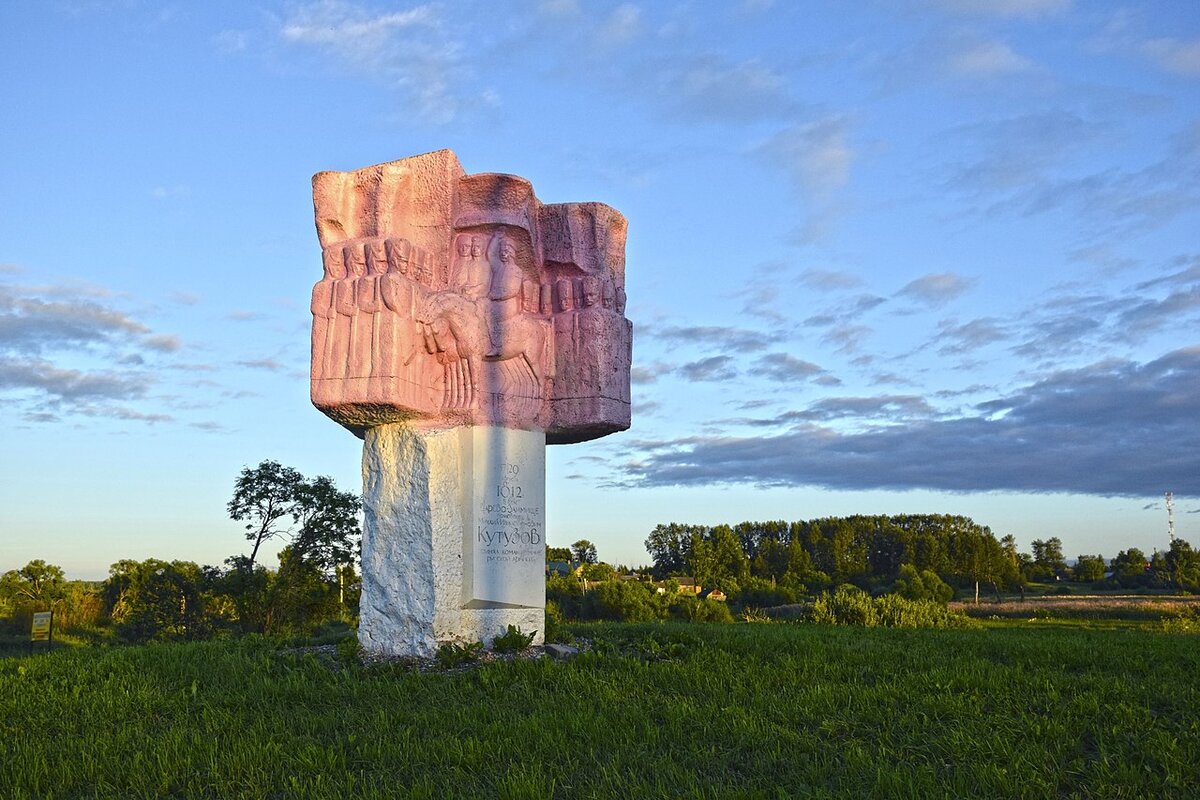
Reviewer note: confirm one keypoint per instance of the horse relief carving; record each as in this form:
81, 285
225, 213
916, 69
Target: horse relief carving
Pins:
450, 299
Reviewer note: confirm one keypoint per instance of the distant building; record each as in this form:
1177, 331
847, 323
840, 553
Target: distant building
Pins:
560, 568
686, 586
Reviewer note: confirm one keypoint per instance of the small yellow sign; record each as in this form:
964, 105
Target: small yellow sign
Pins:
41, 626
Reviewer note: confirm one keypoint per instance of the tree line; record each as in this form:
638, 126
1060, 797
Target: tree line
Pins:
808, 557
316, 581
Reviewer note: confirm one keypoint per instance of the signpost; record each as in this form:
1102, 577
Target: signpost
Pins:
43, 629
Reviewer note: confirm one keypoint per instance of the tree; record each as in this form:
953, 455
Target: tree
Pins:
1088, 569
1183, 566
299, 596
584, 552
37, 582
1048, 558
328, 520
320, 522
1129, 567
160, 600
975, 554
668, 548
599, 572
264, 497
922, 585
558, 553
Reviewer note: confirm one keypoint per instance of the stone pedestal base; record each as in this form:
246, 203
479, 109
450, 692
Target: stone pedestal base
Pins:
454, 537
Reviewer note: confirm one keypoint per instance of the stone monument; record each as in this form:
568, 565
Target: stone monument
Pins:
460, 327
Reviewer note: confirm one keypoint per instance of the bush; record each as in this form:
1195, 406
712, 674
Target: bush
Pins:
848, 605
923, 585
452, 654
626, 601
512, 640
762, 593
713, 611
554, 622
898, 612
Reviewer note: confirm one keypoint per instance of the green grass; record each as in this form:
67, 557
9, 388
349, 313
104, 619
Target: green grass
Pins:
764, 710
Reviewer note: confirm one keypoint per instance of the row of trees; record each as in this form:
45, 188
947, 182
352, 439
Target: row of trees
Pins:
869, 551
315, 582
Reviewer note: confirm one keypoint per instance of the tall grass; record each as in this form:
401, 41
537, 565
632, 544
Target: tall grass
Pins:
658, 710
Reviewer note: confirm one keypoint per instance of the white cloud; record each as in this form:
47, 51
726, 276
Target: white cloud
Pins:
987, 59
346, 27
407, 49
1174, 55
1006, 8
815, 155
936, 289
559, 8
711, 88
622, 26
232, 41
165, 192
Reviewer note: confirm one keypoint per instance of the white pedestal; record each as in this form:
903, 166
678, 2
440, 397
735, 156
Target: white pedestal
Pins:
454, 536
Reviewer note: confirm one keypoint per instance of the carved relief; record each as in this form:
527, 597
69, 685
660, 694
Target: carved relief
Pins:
452, 312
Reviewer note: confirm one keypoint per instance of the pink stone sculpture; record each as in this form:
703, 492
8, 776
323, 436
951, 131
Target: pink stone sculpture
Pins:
454, 299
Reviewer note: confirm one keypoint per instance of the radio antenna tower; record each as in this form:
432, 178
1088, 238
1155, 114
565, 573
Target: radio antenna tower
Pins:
1171, 516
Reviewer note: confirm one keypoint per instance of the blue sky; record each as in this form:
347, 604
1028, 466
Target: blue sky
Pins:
884, 257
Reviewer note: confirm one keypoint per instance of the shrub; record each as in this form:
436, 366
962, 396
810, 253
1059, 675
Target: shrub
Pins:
349, 652
712, 611
852, 606
628, 601
848, 605
554, 623
899, 612
452, 654
762, 593
923, 585
512, 640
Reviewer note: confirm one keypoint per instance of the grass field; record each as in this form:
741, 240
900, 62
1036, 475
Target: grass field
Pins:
763, 710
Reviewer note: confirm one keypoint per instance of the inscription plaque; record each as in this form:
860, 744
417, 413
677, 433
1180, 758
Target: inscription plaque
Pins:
505, 543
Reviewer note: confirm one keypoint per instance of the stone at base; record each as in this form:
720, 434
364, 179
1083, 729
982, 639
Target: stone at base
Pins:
424, 494
561, 651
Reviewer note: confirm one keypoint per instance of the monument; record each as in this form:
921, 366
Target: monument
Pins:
459, 328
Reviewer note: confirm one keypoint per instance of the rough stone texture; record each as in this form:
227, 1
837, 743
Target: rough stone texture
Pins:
462, 299
561, 651
418, 489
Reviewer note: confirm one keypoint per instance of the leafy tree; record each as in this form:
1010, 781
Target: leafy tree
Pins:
584, 552
1129, 568
319, 522
1048, 558
558, 554
1088, 569
299, 596
599, 572
976, 555
37, 581
668, 547
328, 524
922, 585
1014, 575
264, 498
246, 585
1182, 566
160, 600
